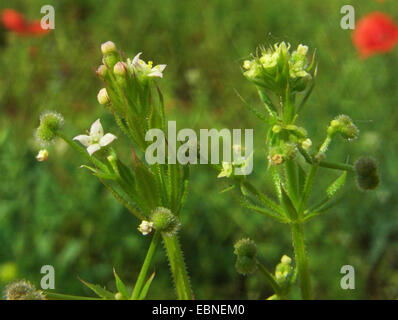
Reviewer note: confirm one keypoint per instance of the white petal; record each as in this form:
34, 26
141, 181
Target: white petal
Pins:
136, 58
107, 139
96, 130
92, 148
83, 139
155, 73
160, 67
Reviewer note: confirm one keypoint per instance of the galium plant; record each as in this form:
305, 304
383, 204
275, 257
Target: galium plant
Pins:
285, 79
155, 194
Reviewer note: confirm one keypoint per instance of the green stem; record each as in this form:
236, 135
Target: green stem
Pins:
177, 266
301, 260
337, 166
145, 267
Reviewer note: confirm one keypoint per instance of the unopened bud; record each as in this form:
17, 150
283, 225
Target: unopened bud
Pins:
103, 97
120, 68
101, 71
306, 144
42, 155
145, 227
108, 47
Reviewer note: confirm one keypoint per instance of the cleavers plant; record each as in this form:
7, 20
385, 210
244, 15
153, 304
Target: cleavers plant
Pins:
284, 81
155, 193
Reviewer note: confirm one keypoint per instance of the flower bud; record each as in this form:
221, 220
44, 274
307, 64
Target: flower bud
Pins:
286, 260
145, 227
245, 248
306, 144
284, 271
23, 290
101, 71
103, 97
108, 47
165, 221
343, 125
42, 155
118, 296
120, 68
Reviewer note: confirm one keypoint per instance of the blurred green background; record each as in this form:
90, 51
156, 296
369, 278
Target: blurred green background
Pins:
55, 213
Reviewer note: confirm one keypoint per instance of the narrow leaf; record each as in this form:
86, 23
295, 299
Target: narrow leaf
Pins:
145, 289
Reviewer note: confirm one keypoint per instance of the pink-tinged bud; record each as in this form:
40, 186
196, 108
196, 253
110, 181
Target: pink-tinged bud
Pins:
103, 97
120, 68
101, 71
108, 47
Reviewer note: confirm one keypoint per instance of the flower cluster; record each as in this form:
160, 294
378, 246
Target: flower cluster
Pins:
276, 69
129, 92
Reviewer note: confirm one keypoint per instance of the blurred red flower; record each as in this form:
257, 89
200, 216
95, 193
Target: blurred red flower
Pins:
375, 33
14, 21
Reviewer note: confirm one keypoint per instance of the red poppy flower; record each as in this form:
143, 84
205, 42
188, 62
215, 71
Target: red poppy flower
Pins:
375, 33
16, 22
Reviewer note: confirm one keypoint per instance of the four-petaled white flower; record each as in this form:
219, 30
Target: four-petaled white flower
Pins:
96, 140
138, 65
145, 227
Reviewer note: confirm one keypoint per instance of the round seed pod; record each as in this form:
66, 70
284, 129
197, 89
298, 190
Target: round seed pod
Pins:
165, 221
365, 166
245, 248
369, 182
245, 265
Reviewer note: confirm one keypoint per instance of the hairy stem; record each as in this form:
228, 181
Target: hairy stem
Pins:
301, 260
178, 268
145, 266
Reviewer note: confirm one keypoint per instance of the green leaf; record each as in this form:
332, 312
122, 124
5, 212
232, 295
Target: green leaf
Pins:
120, 286
302, 176
251, 109
264, 211
99, 291
336, 185
146, 186
288, 205
145, 289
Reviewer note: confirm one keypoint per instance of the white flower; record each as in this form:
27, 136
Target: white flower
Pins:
42, 155
145, 227
138, 65
96, 140
226, 171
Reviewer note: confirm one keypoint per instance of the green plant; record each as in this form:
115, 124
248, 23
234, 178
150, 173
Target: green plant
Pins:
284, 81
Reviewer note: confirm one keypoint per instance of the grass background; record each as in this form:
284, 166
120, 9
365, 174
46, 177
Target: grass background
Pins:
55, 213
